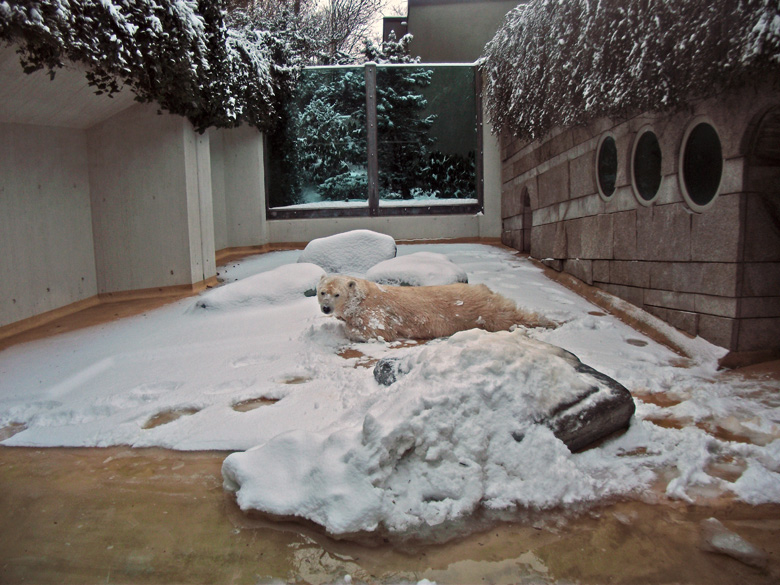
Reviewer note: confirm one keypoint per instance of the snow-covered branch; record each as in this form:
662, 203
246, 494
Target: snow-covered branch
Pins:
556, 63
178, 53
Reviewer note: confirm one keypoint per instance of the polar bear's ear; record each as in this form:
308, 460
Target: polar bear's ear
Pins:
352, 284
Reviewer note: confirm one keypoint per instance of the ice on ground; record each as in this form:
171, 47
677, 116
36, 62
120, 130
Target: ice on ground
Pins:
709, 436
352, 252
417, 269
715, 537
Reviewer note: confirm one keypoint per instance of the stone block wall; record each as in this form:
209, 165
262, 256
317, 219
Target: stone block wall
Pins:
713, 272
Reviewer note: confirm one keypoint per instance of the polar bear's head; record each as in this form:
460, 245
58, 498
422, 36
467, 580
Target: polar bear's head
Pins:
336, 293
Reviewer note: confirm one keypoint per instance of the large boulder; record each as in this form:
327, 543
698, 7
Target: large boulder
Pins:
602, 407
284, 284
352, 252
418, 269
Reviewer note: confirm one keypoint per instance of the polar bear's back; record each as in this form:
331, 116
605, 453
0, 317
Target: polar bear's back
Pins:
427, 312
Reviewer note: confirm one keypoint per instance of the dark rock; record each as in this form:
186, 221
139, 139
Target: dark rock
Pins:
386, 371
605, 408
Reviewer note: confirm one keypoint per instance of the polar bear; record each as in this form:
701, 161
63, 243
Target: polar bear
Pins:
373, 311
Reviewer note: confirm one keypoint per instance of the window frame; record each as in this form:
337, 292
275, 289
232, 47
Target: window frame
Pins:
689, 201
373, 206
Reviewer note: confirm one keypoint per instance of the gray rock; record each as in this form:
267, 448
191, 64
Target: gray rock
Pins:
386, 371
594, 415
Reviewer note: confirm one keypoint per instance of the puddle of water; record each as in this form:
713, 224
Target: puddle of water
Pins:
362, 360
718, 431
597, 313
168, 416
157, 516
727, 468
253, 403
636, 342
658, 399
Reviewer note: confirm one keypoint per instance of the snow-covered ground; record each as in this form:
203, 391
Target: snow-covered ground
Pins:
254, 367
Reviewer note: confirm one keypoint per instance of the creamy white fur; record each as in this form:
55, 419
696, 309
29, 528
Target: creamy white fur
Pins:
373, 311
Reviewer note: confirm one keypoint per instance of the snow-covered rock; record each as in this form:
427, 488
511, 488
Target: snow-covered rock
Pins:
352, 252
418, 269
280, 285
458, 433
605, 407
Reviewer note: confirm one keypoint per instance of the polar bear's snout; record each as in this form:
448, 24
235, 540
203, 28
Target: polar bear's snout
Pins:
325, 308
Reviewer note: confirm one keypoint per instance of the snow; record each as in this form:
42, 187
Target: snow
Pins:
350, 252
418, 269
277, 286
432, 451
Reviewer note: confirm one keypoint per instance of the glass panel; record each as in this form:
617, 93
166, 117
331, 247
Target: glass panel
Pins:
318, 155
427, 134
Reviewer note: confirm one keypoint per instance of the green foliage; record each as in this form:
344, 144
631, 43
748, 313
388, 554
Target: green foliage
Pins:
402, 127
449, 176
331, 125
348, 186
558, 63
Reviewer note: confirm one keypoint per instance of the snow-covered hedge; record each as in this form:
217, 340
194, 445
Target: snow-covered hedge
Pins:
558, 63
177, 53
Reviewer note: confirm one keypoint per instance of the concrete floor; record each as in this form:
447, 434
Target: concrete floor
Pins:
122, 515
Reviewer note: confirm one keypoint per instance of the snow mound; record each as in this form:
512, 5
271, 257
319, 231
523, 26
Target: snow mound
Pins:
433, 449
274, 287
418, 269
352, 252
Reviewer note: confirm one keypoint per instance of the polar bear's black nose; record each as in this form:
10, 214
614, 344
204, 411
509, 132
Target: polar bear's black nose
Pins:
325, 309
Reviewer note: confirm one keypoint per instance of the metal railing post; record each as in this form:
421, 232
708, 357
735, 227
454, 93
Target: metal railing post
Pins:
372, 146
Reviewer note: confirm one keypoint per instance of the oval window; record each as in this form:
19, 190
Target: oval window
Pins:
606, 166
701, 166
646, 166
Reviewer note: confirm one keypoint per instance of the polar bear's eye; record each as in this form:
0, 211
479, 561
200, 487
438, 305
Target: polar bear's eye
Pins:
336, 295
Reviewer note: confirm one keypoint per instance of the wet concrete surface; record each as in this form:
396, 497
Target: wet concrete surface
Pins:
122, 515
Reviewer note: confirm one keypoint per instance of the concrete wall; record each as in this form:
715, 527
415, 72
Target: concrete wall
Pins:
238, 184
46, 253
216, 151
687, 267
454, 31
151, 207
490, 225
